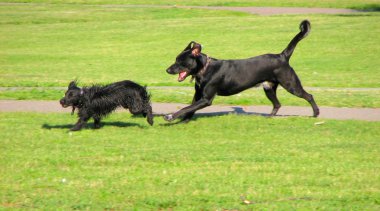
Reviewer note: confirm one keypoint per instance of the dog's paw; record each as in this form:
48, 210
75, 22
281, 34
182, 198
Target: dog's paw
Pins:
75, 128
168, 117
316, 113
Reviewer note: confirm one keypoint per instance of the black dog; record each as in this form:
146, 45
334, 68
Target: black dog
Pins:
229, 77
99, 101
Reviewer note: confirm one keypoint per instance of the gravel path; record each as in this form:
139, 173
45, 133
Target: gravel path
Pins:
367, 114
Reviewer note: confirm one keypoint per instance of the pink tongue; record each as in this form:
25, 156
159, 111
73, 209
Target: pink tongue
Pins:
182, 76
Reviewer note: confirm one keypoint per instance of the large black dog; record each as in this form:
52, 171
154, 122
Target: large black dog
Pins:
98, 101
229, 77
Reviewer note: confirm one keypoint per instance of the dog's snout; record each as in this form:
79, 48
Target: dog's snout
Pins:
173, 69
170, 70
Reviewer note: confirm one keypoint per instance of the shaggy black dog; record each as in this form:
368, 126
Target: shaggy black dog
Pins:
99, 101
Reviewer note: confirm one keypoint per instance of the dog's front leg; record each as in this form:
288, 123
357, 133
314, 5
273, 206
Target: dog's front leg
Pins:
189, 109
78, 125
197, 96
83, 118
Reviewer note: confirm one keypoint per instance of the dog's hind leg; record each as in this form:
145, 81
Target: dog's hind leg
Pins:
148, 113
290, 81
132, 105
270, 91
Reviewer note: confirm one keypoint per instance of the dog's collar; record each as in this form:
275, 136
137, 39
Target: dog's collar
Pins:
80, 104
203, 70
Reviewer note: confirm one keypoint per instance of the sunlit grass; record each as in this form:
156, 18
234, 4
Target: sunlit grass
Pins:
209, 163
363, 4
49, 45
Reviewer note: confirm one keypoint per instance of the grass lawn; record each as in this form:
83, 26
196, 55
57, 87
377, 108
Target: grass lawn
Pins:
49, 45
353, 4
207, 164
212, 162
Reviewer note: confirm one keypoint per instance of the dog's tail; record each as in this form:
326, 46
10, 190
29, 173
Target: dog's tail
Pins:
305, 29
148, 113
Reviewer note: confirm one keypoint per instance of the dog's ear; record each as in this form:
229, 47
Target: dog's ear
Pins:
198, 46
196, 50
73, 84
190, 46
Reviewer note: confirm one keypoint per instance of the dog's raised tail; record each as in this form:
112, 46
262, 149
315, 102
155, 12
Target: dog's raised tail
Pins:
147, 107
305, 29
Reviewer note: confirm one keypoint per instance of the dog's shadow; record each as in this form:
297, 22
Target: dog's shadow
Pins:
91, 125
236, 110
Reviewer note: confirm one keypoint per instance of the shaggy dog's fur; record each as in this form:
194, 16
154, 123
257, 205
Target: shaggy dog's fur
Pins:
98, 101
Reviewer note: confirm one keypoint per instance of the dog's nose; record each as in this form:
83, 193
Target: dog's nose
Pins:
62, 102
170, 69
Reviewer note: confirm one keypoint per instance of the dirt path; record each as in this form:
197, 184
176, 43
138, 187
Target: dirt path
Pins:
367, 114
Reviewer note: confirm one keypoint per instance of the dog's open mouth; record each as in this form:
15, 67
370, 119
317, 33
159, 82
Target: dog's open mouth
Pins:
64, 105
182, 76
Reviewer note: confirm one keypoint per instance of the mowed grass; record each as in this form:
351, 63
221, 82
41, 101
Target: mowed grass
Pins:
353, 4
207, 164
51, 44
211, 163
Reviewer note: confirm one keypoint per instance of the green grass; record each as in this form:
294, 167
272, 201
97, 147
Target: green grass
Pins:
49, 45
207, 164
323, 97
363, 4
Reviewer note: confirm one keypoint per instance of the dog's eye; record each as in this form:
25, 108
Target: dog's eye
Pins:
192, 63
182, 64
178, 61
187, 63
70, 94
